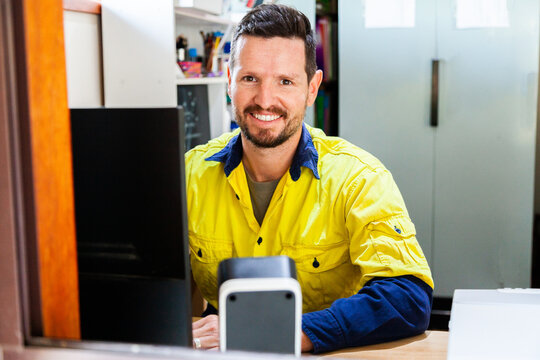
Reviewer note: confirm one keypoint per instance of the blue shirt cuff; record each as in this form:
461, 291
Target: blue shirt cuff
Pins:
322, 328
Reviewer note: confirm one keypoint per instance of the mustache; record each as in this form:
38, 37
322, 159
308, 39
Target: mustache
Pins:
272, 109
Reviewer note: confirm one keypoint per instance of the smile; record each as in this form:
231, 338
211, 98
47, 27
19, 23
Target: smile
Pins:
265, 117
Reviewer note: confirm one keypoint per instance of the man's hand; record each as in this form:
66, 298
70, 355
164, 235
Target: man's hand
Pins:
306, 345
206, 333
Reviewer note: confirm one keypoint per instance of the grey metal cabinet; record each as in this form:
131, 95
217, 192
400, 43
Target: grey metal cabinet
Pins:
467, 182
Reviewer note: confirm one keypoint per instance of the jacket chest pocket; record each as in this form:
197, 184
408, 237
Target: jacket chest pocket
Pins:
205, 256
325, 273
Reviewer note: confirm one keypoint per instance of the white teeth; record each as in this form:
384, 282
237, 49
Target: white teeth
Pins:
266, 117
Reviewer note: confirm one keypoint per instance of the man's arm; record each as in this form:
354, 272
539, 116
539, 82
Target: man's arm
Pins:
384, 309
395, 292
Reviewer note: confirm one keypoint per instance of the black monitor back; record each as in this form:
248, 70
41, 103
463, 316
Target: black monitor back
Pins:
131, 220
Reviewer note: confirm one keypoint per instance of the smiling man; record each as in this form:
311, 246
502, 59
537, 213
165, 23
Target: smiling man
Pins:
279, 187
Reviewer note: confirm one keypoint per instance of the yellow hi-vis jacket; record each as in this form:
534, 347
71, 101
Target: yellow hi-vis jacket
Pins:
337, 213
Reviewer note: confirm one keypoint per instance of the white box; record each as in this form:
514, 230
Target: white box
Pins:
495, 324
210, 6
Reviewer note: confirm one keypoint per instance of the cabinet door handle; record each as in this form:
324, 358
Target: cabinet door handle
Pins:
434, 109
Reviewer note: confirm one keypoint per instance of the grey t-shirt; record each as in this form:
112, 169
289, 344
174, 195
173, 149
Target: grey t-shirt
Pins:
261, 194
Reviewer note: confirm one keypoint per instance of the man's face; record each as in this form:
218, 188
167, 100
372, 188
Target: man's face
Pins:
269, 88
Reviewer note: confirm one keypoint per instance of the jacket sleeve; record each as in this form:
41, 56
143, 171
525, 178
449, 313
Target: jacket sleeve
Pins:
382, 237
384, 309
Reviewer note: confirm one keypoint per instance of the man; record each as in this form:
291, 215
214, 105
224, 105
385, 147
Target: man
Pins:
278, 187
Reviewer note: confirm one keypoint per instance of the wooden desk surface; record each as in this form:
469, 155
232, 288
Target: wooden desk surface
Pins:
432, 345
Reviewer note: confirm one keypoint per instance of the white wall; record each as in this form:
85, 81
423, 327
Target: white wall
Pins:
138, 53
82, 37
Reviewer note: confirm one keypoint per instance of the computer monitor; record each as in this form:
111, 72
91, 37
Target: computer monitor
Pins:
131, 221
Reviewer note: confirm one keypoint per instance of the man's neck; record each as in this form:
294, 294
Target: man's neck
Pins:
267, 164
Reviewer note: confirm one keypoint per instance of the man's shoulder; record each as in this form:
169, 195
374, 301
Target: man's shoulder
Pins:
336, 149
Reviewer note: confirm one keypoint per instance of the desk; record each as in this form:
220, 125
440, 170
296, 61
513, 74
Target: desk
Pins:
432, 345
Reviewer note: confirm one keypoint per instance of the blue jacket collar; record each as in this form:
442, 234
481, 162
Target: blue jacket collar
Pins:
306, 155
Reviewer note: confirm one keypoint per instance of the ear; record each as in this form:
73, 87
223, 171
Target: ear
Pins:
229, 79
313, 87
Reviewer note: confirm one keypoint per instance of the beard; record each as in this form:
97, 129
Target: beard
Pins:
264, 137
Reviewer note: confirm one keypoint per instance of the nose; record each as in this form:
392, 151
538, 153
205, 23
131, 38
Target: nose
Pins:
265, 95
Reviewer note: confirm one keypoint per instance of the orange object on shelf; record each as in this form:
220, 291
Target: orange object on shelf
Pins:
191, 69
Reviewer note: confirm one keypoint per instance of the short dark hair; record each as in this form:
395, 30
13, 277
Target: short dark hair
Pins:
273, 20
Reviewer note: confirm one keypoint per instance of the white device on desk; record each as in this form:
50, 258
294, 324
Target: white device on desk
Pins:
495, 324
260, 305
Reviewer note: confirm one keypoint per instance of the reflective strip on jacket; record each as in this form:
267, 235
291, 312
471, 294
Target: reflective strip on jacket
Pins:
337, 213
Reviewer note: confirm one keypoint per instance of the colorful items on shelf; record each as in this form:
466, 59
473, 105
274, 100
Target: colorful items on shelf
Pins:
326, 41
209, 65
191, 69
322, 111
211, 43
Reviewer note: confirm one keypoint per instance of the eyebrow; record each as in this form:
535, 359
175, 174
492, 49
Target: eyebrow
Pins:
289, 76
244, 72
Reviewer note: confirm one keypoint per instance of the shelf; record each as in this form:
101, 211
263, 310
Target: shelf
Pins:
202, 81
192, 16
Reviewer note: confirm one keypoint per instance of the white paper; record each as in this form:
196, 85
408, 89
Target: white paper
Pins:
481, 14
389, 13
